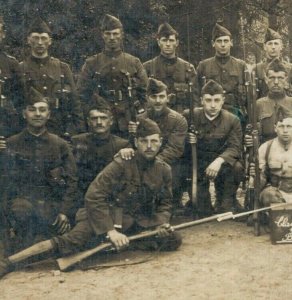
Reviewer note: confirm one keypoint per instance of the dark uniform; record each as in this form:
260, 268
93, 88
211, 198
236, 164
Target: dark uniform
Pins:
175, 72
220, 137
130, 195
230, 73
92, 154
260, 68
110, 74
54, 79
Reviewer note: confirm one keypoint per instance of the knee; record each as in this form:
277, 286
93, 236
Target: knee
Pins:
238, 171
270, 195
21, 209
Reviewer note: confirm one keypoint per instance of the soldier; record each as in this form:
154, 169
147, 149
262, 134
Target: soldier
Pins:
10, 91
54, 79
115, 75
173, 128
273, 47
219, 137
95, 149
172, 70
42, 178
276, 78
275, 160
126, 197
227, 71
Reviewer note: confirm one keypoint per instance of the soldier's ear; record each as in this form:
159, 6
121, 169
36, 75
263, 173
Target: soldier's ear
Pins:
231, 42
23, 114
201, 98
213, 43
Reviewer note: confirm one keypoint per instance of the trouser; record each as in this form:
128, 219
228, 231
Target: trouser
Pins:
82, 236
30, 221
226, 185
271, 195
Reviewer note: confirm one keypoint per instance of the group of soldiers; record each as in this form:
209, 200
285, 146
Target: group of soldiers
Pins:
110, 156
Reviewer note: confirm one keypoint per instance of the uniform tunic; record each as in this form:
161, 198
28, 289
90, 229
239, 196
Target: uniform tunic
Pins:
45, 76
175, 73
275, 163
106, 74
267, 110
229, 72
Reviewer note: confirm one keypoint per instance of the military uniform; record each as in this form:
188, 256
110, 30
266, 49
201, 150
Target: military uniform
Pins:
275, 163
267, 110
11, 95
45, 75
92, 154
42, 183
220, 137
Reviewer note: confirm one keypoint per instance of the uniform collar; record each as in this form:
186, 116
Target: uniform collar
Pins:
40, 60
167, 60
115, 53
30, 137
99, 139
222, 59
205, 120
142, 163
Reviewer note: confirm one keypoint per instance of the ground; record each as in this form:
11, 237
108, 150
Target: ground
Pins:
216, 261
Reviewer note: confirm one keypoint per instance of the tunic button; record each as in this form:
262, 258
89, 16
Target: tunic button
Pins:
113, 68
114, 80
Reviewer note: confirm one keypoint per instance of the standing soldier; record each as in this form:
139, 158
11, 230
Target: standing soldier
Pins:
53, 78
95, 149
172, 70
42, 178
115, 75
225, 70
219, 138
273, 49
11, 97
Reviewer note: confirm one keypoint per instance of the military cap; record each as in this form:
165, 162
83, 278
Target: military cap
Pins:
35, 96
212, 88
147, 127
110, 23
155, 86
282, 114
276, 65
98, 103
272, 35
165, 30
218, 31
39, 26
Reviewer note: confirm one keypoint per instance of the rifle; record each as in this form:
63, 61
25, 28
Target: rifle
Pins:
252, 129
65, 263
192, 130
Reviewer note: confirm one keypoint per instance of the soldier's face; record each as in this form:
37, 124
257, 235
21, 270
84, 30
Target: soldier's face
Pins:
37, 115
212, 104
99, 122
222, 45
273, 48
158, 102
284, 130
148, 146
39, 43
276, 81
168, 45
113, 38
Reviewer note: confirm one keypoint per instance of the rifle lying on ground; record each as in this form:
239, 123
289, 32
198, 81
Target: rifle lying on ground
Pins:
65, 263
252, 129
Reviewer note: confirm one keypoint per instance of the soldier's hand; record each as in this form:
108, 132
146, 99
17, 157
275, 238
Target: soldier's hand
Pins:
61, 224
2, 143
213, 169
252, 169
248, 142
191, 138
126, 153
164, 230
132, 127
119, 240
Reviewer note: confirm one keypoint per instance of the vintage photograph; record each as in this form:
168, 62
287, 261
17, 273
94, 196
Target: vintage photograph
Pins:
145, 149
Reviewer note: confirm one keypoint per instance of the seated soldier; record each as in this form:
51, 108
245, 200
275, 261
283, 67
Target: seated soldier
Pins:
95, 149
126, 197
42, 181
219, 137
275, 164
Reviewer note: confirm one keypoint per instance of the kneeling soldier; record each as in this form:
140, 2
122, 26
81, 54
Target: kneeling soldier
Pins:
128, 196
219, 137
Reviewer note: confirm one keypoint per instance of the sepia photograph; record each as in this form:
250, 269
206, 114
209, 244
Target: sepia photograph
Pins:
145, 149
